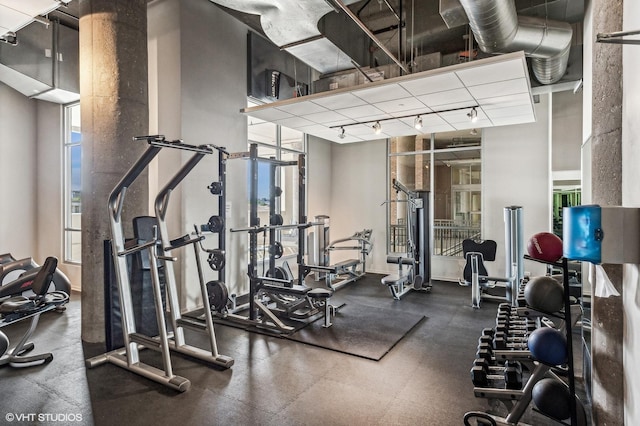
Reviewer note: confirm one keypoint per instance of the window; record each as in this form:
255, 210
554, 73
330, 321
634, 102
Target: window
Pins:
448, 165
72, 185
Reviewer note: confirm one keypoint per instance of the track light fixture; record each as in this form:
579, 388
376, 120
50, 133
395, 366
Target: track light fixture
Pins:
417, 120
473, 115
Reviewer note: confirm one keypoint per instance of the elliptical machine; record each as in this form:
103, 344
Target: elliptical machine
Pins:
17, 275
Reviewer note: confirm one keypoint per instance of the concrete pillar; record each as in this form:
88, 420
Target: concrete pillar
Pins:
607, 313
114, 108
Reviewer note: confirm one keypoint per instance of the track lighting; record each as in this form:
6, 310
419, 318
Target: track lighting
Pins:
341, 135
417, 123
474, 132
377, 128
473, 115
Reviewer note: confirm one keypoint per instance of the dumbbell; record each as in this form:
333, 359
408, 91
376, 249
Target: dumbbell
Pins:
485, 351
503, 341
482, 373
512, 375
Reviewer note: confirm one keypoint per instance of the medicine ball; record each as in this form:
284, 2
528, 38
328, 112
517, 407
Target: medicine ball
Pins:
548, 346
545, 246
545, 294
552, 397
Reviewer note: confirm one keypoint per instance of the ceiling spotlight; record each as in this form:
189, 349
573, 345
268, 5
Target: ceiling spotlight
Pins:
377, 128
473, 115
341, 135
417, 123
474, 132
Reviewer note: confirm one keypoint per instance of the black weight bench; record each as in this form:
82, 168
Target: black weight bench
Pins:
20, 308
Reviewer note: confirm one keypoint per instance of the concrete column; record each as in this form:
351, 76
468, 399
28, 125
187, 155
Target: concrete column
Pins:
607, 314
114, 108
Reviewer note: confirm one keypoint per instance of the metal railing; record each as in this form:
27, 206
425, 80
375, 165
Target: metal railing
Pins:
447, 237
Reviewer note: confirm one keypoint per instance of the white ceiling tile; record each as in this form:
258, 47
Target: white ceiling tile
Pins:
365, 112
413, 112
327, 117
505, 101
438, 129
381, 93
339, 100
295, 122
491, 73
361, 129
431, 84
302, 108
269, 114
402, 105
447, 97
317, 128
502, 88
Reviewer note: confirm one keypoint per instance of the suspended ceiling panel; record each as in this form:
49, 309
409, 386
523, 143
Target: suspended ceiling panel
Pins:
498, 87
15, 14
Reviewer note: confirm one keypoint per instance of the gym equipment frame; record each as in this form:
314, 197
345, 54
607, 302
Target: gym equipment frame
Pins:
414, 273
128, 357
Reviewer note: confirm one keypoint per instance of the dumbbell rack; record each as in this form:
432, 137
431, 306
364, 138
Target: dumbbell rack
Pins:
517, 400
563, 265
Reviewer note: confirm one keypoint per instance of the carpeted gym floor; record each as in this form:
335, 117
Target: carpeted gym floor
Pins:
421, 379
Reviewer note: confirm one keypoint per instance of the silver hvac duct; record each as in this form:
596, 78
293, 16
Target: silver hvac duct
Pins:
498, 29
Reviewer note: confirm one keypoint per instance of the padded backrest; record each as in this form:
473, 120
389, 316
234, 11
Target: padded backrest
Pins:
42, 281
488, 248
143, 230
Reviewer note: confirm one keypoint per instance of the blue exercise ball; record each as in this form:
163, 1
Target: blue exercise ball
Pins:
548, 346
545, 294
552, 397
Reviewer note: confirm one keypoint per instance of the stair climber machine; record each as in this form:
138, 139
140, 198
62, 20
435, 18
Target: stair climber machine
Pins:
158, 248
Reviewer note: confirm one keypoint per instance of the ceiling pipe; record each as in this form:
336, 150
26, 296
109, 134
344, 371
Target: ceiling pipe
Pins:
369, 34
498, 29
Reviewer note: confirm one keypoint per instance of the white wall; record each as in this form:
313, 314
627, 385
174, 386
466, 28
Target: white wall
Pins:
18, 150
566, 132
319, 177
359, 177
631, 198
516, 172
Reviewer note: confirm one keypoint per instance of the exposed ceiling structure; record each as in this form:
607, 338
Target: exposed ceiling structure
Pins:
366, 35
496, 88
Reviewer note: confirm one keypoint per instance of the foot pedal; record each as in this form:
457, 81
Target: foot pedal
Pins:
417, 282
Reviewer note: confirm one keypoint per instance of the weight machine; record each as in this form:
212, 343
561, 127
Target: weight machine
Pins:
414, 272
158, 248
275, 295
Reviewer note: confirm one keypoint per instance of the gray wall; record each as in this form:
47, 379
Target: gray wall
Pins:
18, 162
198, 55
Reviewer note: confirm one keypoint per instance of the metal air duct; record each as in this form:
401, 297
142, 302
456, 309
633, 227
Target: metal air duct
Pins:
498, 29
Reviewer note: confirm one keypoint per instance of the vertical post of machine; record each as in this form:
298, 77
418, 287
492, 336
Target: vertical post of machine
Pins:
514, 251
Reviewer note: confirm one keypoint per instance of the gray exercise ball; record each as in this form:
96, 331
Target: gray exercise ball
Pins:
544, 294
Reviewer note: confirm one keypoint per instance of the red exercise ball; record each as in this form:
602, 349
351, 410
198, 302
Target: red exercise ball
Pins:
545, 246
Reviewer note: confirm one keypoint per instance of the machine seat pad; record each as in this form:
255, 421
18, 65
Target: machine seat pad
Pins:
347, 263
393, 279
295, 290
320, 293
